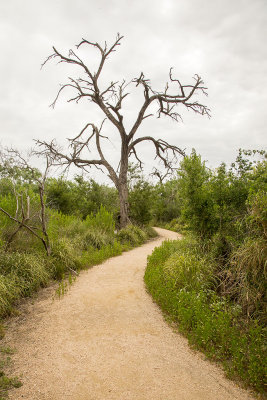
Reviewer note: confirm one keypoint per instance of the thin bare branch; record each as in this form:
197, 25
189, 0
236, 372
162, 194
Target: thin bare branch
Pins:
162, 149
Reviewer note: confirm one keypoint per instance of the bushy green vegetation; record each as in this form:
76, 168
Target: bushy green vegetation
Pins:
213, 283
77, 223
226, 210
181, 279
80, 197
75, 244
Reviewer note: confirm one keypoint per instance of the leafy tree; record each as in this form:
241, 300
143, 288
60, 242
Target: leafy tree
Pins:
24, 178
194, 192
110, 99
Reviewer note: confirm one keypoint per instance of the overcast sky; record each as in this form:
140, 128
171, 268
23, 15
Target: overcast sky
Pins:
224, 41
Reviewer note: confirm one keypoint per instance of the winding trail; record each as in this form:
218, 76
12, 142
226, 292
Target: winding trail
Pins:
106, 340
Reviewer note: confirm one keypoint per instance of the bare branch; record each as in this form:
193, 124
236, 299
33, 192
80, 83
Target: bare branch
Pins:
161, 175
133, 151
23, 224
162, 149
167, 101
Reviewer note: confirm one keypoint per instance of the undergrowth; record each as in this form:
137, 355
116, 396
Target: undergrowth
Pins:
76, 244
183, 281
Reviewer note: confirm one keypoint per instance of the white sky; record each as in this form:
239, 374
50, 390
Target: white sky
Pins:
224, 41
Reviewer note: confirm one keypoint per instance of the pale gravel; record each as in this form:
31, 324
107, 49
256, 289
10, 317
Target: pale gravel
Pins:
106, 340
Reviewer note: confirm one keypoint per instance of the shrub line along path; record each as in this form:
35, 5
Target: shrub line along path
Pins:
106, 340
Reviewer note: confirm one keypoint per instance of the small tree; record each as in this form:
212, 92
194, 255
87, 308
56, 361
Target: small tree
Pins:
110, 100
15, 164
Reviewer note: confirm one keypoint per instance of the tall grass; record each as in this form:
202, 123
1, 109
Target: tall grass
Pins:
183, 281
246, 283
21, 275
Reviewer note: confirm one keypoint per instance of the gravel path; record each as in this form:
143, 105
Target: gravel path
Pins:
106, 340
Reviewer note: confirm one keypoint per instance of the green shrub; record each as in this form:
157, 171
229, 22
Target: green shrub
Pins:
103, 221
132, 234
97, 239
149, 231
175, 225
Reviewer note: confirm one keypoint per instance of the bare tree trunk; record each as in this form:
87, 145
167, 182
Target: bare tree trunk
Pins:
124, 206
123, 187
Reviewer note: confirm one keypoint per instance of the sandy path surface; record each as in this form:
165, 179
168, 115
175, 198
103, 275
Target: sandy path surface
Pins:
105, 340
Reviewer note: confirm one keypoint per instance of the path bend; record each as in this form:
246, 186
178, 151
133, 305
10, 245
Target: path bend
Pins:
106, 340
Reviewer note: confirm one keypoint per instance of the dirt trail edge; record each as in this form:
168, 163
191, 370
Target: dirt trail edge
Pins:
106, 339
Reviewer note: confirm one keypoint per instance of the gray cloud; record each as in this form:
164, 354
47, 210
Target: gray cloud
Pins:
223, 41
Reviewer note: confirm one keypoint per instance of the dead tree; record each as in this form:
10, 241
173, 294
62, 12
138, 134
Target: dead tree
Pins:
110, 100
23, 216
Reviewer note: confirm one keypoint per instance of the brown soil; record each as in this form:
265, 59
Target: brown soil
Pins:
106, 340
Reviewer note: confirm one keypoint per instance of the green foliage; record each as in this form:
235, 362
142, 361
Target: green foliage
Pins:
166, 202
81, 229
23, 176
25, 205
181, 280
141, 195
132, 234
176, 225
215, 203
93, 256
194, 190
140, 198
102, 220
80, 197
150, 231
71, 237
147, 203
64, 285
226, 208
257, 214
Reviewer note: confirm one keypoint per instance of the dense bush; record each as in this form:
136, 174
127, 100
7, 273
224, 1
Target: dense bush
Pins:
226, 209
132, 234
80, 197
